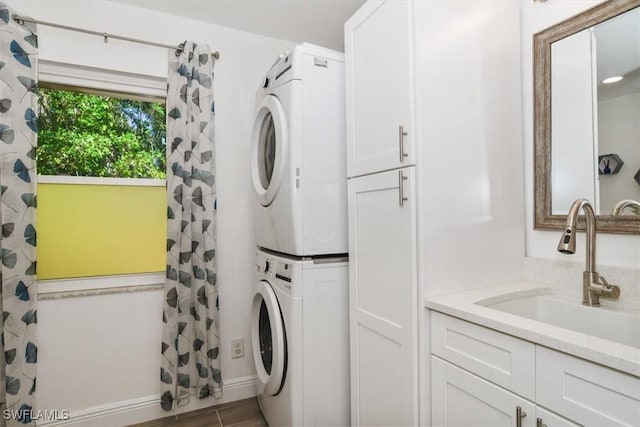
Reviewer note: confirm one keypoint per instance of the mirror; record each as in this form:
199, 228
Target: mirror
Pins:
586, 122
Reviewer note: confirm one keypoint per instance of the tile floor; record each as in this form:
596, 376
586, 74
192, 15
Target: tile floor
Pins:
242, 413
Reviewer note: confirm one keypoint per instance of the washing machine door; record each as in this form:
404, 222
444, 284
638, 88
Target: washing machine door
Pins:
268, 339
269, 149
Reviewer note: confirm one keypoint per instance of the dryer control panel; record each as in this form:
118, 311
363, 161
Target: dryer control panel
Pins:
279, 71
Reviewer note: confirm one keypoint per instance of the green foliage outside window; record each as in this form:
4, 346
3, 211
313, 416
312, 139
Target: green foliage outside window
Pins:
91, 135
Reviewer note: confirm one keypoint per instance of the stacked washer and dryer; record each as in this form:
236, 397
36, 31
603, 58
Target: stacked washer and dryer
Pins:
299, 321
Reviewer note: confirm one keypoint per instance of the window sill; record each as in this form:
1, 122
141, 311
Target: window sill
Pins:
99, 285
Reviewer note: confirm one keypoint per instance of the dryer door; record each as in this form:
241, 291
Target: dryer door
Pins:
269, 149
268, 339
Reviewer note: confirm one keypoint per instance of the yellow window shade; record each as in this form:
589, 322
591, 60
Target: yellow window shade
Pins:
97, 230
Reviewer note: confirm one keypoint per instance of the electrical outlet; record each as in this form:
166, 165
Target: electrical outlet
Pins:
237, 348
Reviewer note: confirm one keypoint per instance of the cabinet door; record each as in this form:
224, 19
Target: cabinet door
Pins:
378, 47
502, 359
383, 299
549, 419
583, 391
460, 399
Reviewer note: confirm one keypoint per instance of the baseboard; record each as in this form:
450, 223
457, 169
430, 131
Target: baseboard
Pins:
148, 407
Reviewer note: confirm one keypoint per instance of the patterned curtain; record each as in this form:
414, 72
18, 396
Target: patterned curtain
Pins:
191, 340
18, 140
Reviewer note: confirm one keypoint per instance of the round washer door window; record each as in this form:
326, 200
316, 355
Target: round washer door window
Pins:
268, 339
269, 148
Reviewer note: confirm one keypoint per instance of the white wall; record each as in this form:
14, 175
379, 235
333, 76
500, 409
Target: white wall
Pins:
469, 141
614, 250
619, 133
99, 351
471, 228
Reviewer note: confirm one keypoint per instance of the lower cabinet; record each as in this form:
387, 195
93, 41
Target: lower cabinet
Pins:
481, 377
546, 418
463, 399
382, 287
588, 393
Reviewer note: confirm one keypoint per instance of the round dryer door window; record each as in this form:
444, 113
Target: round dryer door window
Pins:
268, 339
266, 150
269, 147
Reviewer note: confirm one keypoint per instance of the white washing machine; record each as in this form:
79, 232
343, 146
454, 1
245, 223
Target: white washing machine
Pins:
298, 156
300, 340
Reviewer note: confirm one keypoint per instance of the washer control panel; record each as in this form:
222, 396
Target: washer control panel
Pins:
280, 271
284, 272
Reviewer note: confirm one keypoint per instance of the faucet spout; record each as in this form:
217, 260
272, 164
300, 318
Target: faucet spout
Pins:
567, 244
593, 284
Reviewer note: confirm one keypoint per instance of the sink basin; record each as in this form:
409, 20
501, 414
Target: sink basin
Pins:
601, 322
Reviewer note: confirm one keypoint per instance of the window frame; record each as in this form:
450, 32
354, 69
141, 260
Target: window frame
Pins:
102, 92
104, 82
99, 79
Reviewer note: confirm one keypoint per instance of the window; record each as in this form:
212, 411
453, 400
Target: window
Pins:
92, 133
102, 200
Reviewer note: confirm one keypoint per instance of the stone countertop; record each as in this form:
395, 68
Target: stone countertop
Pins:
463, 306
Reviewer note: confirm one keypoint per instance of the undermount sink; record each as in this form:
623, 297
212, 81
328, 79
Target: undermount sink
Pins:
601, 322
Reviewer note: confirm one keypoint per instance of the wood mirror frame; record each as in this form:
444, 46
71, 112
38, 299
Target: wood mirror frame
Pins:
543, 217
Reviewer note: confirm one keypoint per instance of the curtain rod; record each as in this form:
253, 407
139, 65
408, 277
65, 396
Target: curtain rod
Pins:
22, 19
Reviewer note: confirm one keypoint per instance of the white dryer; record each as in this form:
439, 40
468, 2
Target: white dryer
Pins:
298, 156
300, 340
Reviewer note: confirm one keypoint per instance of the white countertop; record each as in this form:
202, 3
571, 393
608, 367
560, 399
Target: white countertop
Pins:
463, 306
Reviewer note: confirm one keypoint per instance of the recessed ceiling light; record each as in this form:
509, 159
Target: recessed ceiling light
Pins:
612, 79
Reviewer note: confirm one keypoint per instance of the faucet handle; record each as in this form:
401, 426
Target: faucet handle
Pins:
605, 289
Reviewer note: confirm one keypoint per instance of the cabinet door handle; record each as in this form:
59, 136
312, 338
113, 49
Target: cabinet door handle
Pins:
539, 423
401, 180
401, 134
520, 414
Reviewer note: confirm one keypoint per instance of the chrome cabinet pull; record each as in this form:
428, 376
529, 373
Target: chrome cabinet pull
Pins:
520, 414
401, 134
401, 180
539, 423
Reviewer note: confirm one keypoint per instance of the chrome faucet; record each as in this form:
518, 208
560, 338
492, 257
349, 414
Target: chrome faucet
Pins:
594, 285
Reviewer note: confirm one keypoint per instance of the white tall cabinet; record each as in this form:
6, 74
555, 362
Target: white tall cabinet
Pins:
434, 161
379, 44
382, 215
